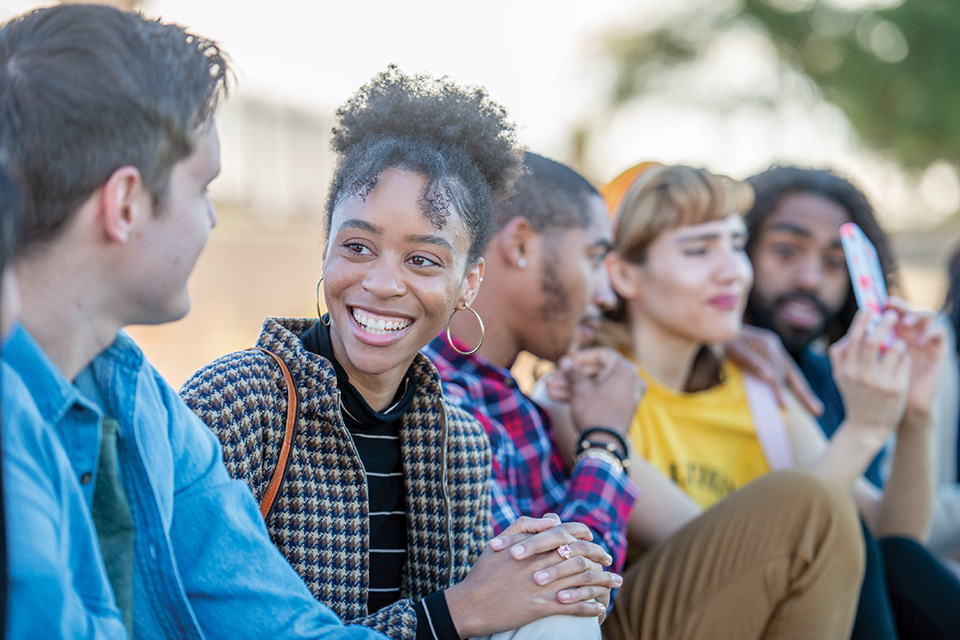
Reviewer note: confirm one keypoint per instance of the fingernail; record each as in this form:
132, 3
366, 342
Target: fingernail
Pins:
618, 580
517, 551
563, 596
540, 577
496, 544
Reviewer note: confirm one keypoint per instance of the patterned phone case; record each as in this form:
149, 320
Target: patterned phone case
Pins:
865, 272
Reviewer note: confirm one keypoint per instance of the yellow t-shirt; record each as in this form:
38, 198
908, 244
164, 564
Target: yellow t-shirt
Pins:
706, 441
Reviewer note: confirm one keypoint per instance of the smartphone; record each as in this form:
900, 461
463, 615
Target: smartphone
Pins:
866, 275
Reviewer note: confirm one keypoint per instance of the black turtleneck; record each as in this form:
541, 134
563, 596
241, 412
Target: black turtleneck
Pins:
376, 436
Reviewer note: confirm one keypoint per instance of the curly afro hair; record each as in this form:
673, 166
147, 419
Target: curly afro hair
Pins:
456, 137
777, 182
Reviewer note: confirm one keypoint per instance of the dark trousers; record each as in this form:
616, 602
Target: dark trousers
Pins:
907, 593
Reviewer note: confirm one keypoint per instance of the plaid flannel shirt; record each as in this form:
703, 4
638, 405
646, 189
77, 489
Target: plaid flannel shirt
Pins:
529, 474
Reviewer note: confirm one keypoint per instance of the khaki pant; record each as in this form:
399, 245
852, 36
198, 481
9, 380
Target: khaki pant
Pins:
780, 558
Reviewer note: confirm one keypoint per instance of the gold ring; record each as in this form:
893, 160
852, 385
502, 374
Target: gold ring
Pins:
564, 551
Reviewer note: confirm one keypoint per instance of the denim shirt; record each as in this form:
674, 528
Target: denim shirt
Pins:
204, 564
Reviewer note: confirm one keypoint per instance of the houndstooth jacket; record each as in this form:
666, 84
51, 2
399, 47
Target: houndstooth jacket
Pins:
319, 521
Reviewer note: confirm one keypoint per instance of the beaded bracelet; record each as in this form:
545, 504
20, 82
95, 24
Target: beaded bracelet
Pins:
586, 433
600, 451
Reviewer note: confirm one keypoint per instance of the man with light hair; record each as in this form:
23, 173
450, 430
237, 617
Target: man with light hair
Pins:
122, 518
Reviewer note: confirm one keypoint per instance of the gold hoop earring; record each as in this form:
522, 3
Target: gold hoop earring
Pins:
319, 313
482, 331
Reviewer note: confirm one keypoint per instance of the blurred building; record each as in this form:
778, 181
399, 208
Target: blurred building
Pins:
276, 160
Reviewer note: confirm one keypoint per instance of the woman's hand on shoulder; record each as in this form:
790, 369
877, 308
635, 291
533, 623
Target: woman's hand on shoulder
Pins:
761, 353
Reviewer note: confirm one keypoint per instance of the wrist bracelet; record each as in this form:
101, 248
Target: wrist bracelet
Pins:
607, 448
600, 451
586, 433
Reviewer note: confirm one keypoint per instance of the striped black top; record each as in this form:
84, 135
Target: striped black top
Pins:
378, 443
376, 436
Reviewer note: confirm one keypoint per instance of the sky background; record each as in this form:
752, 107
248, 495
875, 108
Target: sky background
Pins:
543, 60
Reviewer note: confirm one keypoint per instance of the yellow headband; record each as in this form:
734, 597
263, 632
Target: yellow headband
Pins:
614, 191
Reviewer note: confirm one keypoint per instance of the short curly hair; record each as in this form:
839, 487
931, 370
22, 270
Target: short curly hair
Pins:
776, 183
457, 137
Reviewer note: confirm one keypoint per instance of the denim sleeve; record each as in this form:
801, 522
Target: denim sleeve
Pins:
238, 582
58, 588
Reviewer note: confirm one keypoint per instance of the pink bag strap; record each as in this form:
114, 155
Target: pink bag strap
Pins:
768, 421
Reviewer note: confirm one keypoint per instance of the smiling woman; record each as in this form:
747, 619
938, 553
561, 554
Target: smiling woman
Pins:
384, 507
390, 288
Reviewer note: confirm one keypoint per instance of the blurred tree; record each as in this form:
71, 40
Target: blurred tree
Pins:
890, 69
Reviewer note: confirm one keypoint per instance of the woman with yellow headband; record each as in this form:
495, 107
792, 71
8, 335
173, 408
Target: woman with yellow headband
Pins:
680, 271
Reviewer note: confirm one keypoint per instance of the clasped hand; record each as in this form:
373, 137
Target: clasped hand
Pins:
601, 386
520, 577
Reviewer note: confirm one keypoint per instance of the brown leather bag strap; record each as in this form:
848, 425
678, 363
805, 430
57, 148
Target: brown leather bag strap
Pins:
273, 488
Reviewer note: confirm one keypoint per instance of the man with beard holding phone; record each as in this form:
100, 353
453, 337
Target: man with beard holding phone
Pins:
803, 292
802, 289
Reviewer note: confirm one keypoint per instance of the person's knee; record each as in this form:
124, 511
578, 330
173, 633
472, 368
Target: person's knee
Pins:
796, 489
824, 507
560, 628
